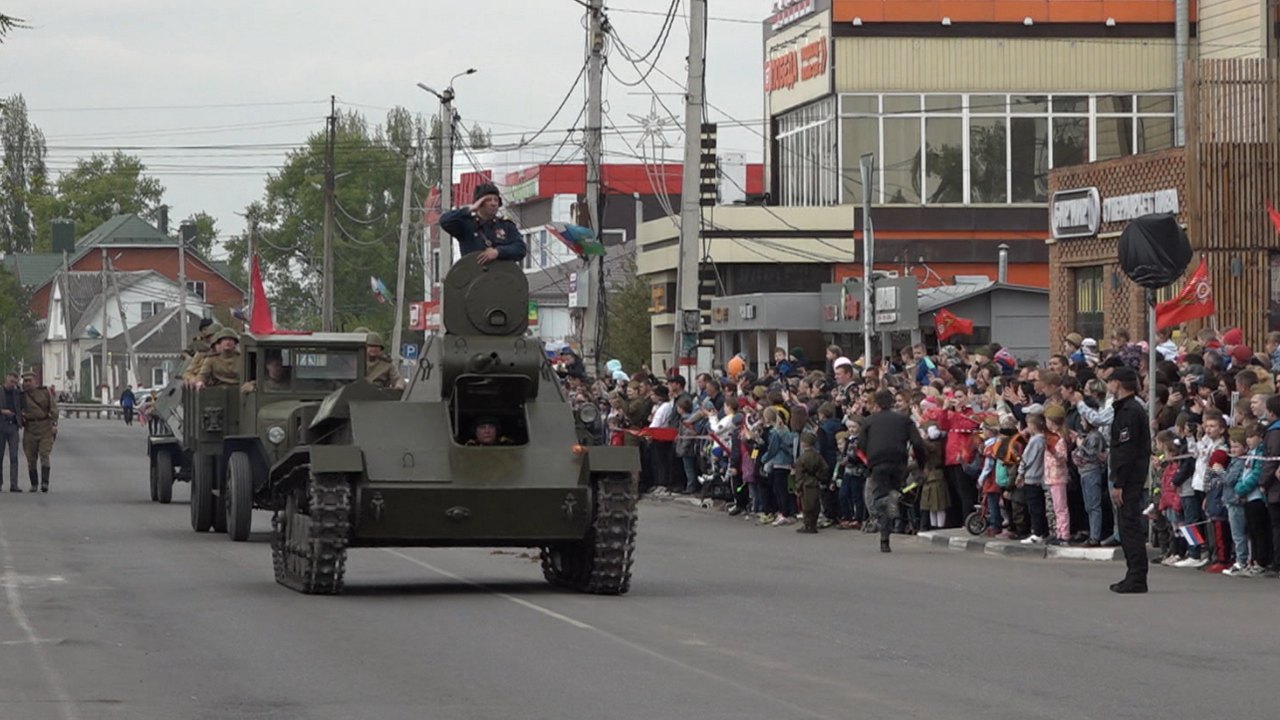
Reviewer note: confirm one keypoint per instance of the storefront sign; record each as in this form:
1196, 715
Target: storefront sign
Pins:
522, 191
1128, 207
784, 71
798, 63
786, 12
1075, 213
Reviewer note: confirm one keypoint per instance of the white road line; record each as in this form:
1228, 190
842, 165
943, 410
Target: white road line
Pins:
614, 638
13, 604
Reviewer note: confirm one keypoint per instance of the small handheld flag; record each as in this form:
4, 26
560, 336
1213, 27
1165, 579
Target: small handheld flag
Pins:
1192, 535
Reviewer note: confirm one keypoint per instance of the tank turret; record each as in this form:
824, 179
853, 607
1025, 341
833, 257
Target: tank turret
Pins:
488, 299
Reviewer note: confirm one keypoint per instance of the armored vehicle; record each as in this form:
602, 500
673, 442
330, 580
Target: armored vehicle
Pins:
227, 438
482, 450
168, 461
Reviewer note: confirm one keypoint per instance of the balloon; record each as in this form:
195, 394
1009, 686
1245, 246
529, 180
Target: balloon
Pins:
735, 367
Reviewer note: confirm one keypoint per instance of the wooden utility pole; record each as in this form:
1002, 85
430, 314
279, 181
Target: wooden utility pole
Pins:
124, 322
105, 371
397, 333
330, 138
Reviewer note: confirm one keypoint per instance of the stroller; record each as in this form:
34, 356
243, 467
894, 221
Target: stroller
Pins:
716, 484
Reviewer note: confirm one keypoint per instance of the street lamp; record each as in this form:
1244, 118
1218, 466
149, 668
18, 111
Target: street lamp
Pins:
446, 162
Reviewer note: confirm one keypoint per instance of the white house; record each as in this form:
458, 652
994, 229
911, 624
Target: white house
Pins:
78, 320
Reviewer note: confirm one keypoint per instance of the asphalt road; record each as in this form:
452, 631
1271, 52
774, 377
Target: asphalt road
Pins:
113, 608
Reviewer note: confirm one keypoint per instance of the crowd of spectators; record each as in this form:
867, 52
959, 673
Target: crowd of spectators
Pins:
1014, 448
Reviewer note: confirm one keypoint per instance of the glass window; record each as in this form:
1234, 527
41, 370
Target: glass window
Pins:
897, 104
944, 160
1088, 305
1155, 133
860, 104
1155, 103
987, 104
861, 135
1115, 104
1024, 104
943, 104
1070, 141
901, 162
987, 160
1070, 104
1029, 159
1115, 137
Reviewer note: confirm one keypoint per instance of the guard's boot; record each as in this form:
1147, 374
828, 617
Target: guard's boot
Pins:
34, 478
44, 479
884, 542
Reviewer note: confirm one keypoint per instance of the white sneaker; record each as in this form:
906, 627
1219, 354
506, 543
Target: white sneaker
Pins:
1032, 540
782, 520
1189, 563
1254, 571
1235, 570
1172, 560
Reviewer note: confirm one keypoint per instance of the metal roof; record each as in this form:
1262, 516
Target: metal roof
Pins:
934, 298
33, 269
127, 229
318, 338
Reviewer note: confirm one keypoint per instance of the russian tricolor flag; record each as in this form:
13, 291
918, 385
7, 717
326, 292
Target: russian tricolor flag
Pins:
1192, 535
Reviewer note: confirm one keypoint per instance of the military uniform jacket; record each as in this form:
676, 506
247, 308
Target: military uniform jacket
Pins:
474, 235
39, 410
810, 470
1130, 456
383, 373
222, 369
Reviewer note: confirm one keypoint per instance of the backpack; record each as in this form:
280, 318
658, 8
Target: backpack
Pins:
1007, 452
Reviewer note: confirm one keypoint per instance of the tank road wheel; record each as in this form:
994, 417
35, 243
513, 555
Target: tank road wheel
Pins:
155, 495
238, 496
309, 536
164, 477
600, 563
201, 493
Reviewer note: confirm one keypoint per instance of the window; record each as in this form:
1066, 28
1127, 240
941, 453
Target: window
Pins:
807, 155
150, 309
988, 148
1088, 301
158, 378
196, 287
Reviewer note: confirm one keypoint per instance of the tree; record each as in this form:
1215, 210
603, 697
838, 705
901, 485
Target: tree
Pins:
15, 323
206, 233
629, 328
479, 139
22, 175
8, 22
97, 189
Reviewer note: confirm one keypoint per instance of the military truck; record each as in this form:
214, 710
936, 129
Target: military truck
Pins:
168, 461
482, 450
227, 438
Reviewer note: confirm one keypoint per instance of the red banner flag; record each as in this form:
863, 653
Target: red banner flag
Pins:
260, 322
1274, 215
1195, 300
948, 324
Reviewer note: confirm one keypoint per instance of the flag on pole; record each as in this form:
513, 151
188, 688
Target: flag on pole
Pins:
581, 240
1195, 300
260, 322
1274, 215
1192, 535
379, 289
948, 324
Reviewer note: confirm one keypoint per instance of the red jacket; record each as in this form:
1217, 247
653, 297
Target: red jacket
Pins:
962, 434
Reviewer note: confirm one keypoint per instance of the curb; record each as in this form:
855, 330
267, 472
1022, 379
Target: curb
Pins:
1004, 548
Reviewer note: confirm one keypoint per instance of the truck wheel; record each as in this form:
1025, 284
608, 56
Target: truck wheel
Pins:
164, 477
219, 496
201, 493
238, 496
154, 493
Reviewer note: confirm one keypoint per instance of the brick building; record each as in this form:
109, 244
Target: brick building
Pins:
1089, 294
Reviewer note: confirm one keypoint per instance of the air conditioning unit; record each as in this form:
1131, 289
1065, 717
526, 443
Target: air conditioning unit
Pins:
972, 279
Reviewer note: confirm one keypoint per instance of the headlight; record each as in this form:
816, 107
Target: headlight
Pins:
588, 413
275, 434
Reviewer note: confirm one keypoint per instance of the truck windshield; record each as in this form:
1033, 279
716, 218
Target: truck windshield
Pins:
307, 369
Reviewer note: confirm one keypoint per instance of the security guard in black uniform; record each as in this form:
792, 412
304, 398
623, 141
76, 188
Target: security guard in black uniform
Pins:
482, 227
1130, 463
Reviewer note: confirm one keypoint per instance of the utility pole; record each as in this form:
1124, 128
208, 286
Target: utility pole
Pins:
867, 166
446, 181
397, 333
689, 321
182, 291
593, 275
106, 371
330, 138
68, 371
124, 322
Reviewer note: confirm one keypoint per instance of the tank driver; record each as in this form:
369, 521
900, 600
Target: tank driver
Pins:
483, 227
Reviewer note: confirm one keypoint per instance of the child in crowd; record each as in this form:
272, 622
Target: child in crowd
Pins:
1249, 487
811, 474
1031, 479
1169, 445
1057, 440
777, 460
987, 485
853, 479
1216, 512
935, 496
1090, 458
1233, 502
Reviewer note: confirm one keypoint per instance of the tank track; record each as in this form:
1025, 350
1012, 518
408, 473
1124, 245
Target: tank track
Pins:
600, 563
315, 566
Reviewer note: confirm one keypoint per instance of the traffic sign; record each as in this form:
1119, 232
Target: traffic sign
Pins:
409, 351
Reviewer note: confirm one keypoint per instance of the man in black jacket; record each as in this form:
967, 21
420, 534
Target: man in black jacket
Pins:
886, 435
1130, 464
10, 421
482, 228
1269, 481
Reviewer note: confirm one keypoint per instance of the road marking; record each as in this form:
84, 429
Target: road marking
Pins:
13, 604
614, 638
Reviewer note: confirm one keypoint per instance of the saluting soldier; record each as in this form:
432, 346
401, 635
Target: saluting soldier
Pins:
40, 429
483, 227
222, 368
382, 371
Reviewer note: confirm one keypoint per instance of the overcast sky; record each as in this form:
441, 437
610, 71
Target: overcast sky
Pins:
100, 74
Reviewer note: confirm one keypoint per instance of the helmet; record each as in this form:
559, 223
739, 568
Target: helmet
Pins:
361, 329
224, 333
375, 339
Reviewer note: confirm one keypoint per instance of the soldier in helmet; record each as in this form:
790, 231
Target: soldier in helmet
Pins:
40, 429
485, 228
382, 371
223, 367
202, 341
200, 349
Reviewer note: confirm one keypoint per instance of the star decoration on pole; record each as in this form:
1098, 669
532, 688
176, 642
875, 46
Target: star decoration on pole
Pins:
653, 127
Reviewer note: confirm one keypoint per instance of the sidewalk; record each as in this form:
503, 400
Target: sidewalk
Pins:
960, 539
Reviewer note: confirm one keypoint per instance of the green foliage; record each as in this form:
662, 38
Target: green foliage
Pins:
478, 138
369, 165
22, 175
96, 189
15, 323
206, 233
629, 329
8, 22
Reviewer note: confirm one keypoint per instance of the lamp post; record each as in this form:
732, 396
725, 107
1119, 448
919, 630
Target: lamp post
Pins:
446, 164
